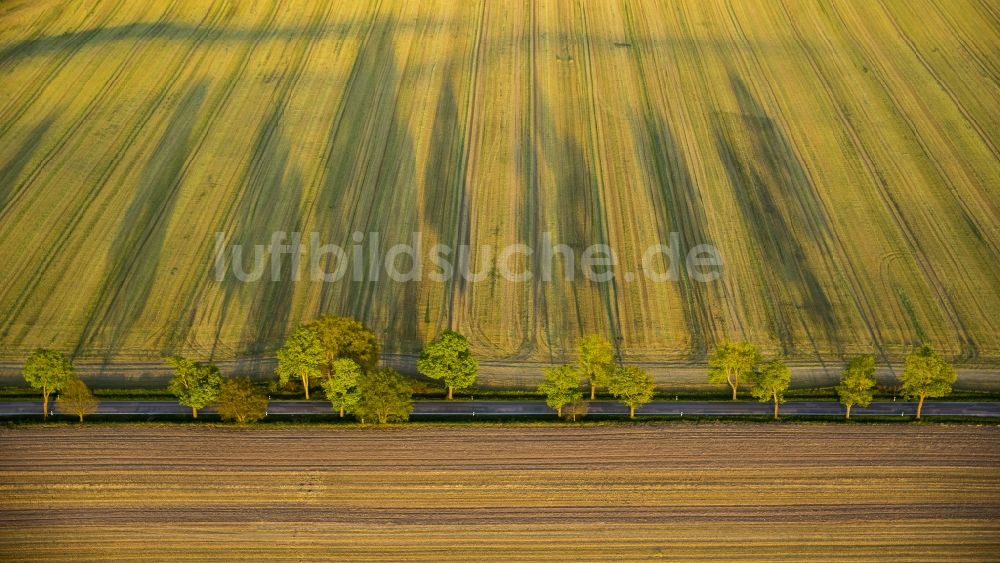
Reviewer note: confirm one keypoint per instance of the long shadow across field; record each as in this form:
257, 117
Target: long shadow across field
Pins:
579, 216
678, 202
445, 202
777, 201
268, 202
135, 252
369, 188
100, 37
10, 173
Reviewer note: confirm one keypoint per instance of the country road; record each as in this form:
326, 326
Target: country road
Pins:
529, 408
495, 374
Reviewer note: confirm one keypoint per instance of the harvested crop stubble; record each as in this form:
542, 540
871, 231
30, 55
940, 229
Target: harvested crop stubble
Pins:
716, 490
844, 159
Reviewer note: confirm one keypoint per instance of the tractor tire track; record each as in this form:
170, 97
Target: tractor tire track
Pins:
609, 289
79, 210
968, 344
30, 93
215, 110
461, 235
881, 184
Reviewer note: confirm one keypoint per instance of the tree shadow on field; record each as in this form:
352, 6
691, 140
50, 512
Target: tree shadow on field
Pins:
445, 203
679, 207
135, 252
10, 173
779, 205
369, 188
131, 33
269, 202
579, 218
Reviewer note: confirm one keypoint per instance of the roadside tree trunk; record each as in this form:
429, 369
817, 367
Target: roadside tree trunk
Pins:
776, 408
559, 411
81, 416
920, 406
450, 392
631, 411
734, 384
45, 404
593, 390
342, 411
305, 385
194, 412
849, 411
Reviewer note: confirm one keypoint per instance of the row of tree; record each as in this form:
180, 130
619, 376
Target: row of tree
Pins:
380, 395
925, 376
635, 387
596, 365
194, 384
340, 355
336, 353
50, 371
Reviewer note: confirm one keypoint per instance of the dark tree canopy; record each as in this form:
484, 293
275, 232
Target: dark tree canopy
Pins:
241, 401
75, 398
344, 337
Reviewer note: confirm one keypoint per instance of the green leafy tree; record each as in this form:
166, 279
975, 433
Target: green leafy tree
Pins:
449, 358
731, 361
344, 337
47, 371
597, 361
75, 398
342, 385
241, 401
561, 387
925, 375
633, 386
385, 396
770, 381
302, 357
857, 383
195, 384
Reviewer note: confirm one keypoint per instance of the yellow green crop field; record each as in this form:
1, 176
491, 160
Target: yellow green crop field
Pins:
842, 156
685, 492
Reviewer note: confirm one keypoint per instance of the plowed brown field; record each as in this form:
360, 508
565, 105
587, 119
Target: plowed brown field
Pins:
687, 491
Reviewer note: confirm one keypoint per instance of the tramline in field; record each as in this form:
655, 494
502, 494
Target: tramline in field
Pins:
841, 157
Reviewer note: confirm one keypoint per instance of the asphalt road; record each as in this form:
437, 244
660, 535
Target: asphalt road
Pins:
526, 408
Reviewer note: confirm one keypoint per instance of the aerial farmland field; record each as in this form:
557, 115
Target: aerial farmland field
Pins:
715, 491
842, 157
